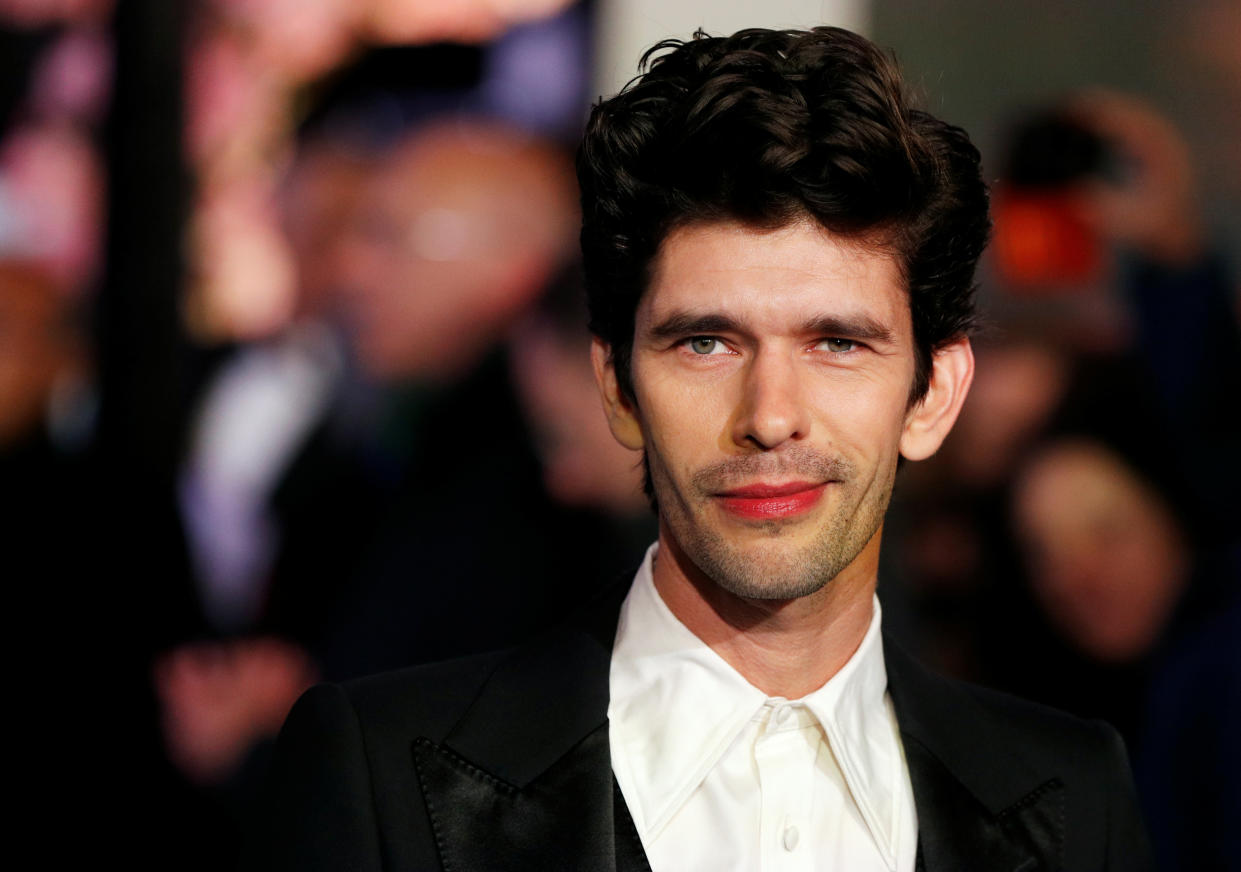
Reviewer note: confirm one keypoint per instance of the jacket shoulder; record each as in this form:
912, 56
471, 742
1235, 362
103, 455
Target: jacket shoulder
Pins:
342, 792
998, 743
425, 700
1020, 759
1043, 731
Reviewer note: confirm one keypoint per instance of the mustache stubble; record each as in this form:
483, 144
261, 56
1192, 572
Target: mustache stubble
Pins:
798, 462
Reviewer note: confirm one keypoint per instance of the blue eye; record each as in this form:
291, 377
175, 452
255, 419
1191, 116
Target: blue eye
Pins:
703, 344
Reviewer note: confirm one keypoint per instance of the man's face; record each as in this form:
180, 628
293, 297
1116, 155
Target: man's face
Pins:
456, 233
772, 372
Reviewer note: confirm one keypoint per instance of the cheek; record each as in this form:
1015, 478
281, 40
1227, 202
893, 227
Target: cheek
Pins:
864, 418
679, 444
684, 419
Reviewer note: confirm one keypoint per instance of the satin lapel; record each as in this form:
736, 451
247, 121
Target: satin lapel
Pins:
524, 780
955, 831
980, 805
630, 855
561, 820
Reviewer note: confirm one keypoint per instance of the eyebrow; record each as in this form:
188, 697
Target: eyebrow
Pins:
687, 324
861, 327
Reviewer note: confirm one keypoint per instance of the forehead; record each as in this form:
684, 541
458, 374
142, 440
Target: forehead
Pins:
771, 279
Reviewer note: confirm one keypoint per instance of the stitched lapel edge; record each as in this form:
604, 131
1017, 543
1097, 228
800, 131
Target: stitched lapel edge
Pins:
562, 821
544, 698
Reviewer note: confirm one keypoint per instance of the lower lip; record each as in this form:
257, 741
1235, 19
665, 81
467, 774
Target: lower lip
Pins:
783, 506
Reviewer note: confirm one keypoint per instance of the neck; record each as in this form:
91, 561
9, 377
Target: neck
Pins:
786, 648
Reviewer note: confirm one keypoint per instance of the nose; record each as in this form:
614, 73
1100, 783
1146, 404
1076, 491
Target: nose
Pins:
772, 410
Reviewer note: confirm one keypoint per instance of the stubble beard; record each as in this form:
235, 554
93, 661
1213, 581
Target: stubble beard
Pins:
766, 564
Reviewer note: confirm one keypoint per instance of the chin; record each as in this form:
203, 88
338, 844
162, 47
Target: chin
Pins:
764, 570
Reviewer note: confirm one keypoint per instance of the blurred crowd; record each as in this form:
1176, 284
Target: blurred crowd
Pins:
390, 450
1078, 539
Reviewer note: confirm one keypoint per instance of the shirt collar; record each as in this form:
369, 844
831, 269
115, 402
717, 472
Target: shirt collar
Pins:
676, 707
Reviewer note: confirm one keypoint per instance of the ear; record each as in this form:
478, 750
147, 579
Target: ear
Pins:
927, 423
622, 417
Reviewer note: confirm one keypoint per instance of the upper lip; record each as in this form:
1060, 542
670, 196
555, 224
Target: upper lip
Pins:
765, 490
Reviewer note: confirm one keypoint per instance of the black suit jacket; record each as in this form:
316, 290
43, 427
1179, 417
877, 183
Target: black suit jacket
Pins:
501, 762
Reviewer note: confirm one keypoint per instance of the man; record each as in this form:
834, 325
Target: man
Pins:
779, 257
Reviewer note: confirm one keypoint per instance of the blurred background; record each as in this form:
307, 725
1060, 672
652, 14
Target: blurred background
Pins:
294, 380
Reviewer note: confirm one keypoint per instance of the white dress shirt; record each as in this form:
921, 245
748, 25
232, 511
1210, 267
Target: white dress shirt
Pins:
718, 776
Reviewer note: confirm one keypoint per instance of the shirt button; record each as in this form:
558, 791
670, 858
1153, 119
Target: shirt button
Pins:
790, 838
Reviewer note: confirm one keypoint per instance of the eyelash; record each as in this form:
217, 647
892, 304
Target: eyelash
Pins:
689, 344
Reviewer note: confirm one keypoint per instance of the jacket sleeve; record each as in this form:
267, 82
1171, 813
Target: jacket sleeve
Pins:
318, 809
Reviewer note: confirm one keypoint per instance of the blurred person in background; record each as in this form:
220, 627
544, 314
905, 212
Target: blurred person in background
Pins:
1109, 437
464, 224
954, 553
51, 207
1101, 260
461, 227
1113, 546
1100, 203
41, 357
295, 465
59, 569
583, 466
1146, 622
104, 577
420, 258
1107, 559
327, 472
47, 500
235, 664
260, 408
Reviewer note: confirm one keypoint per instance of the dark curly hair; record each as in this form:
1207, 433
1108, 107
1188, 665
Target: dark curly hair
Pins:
768, 127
